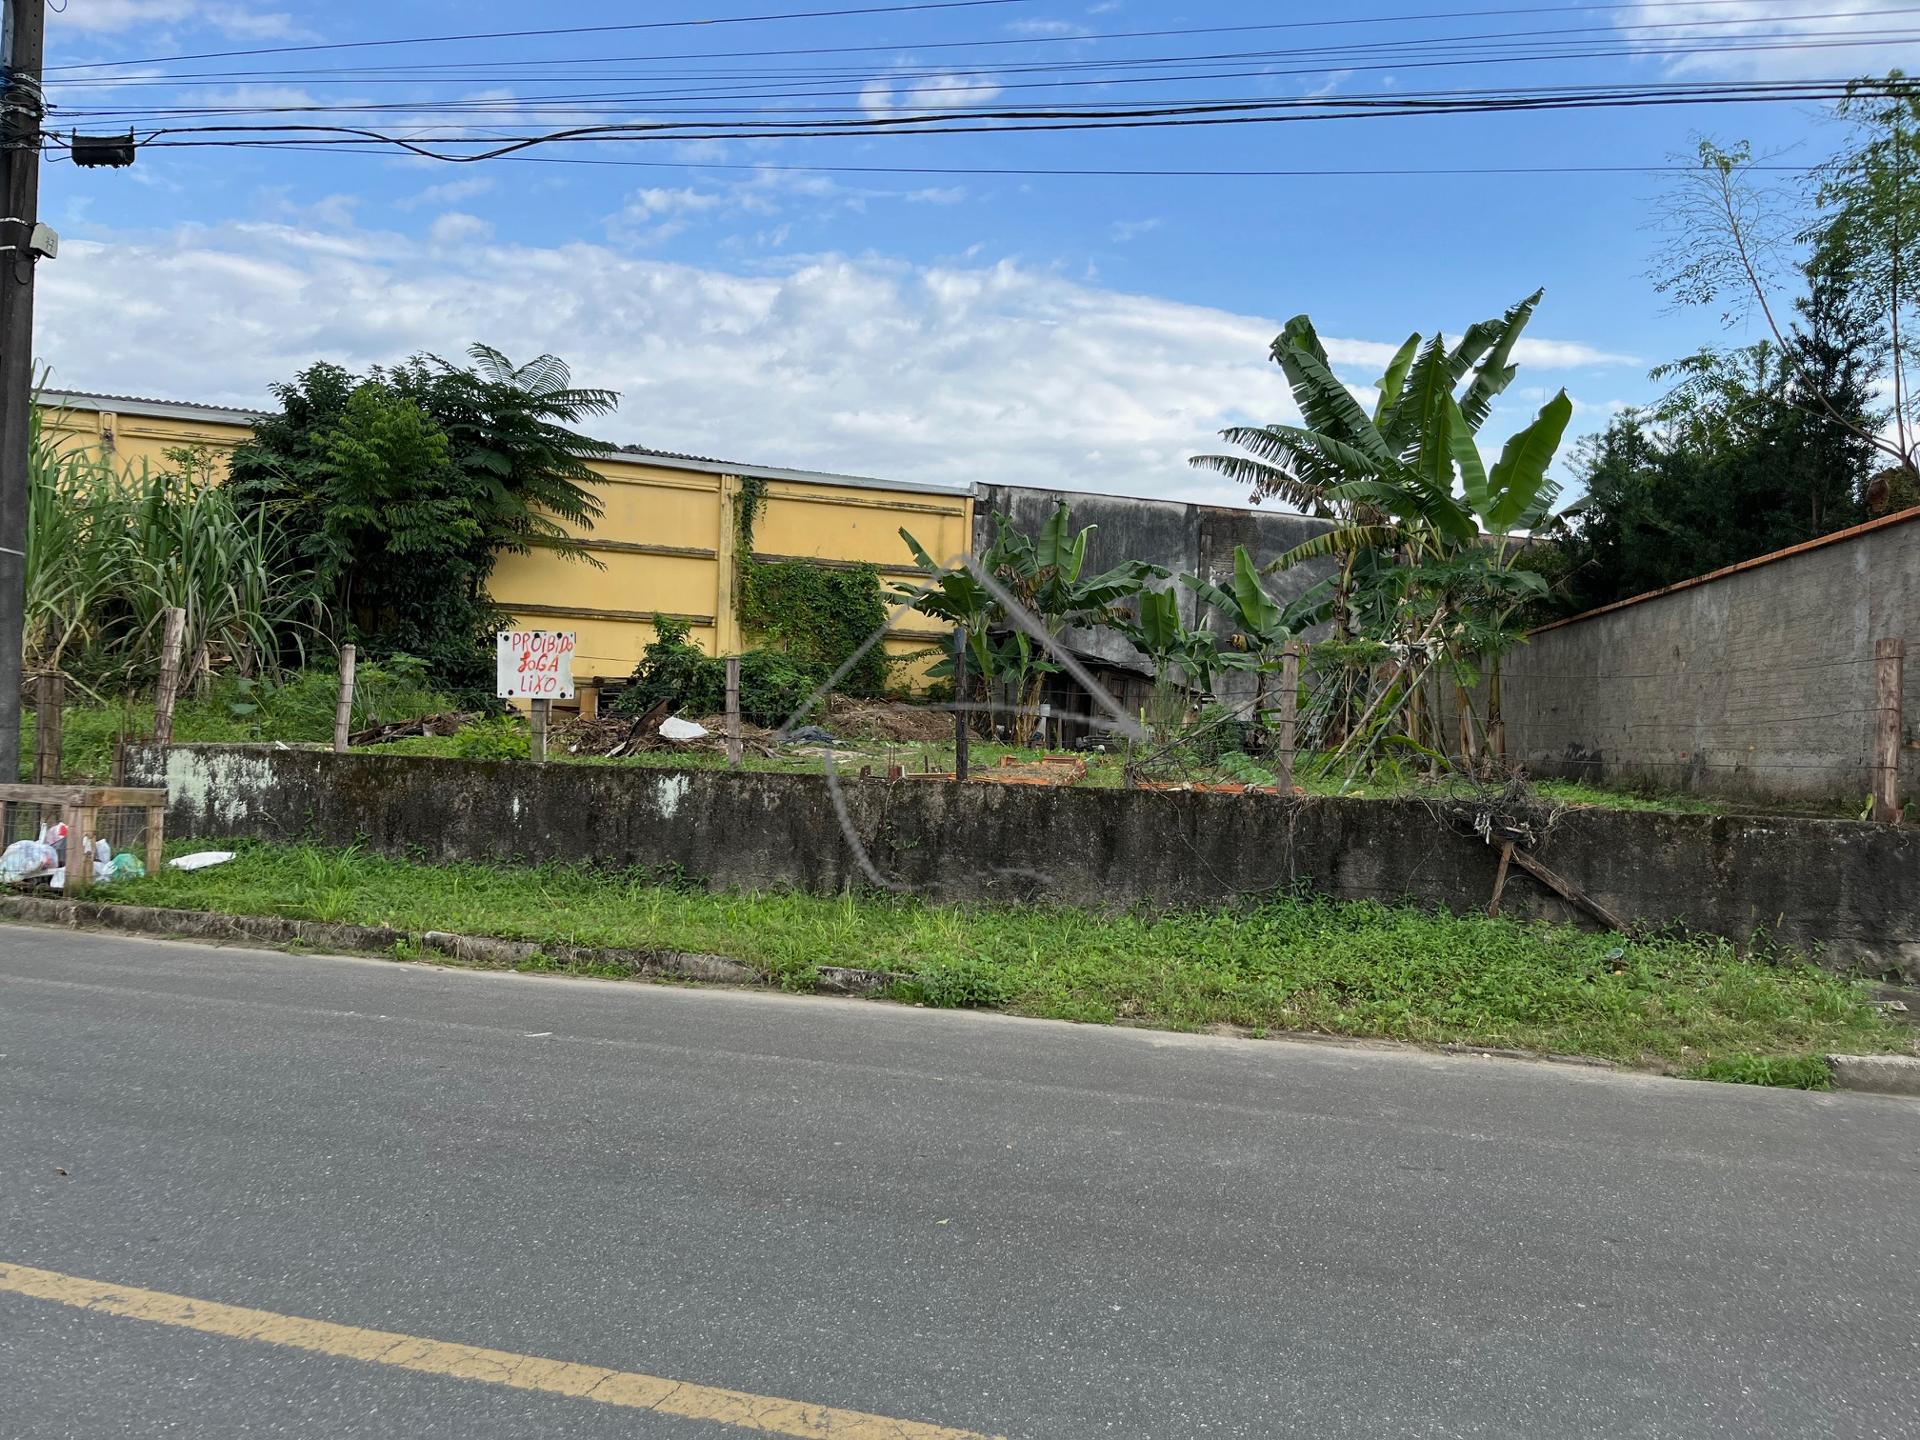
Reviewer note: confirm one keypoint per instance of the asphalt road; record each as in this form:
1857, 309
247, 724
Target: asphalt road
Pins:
1007, 1227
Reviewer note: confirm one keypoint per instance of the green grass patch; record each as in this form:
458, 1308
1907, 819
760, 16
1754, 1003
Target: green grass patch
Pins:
1788, 1072
1358, 969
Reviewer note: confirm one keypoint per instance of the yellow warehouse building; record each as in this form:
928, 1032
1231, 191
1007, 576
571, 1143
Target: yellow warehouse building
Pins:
664, 542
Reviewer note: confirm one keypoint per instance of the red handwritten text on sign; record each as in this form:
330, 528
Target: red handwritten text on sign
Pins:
534, 664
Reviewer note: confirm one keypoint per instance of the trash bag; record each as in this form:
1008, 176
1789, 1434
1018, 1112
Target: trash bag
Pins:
124, 867
200, 859
26, 858
674, 728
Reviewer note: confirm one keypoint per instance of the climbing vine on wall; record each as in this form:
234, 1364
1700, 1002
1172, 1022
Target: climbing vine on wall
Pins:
817, 614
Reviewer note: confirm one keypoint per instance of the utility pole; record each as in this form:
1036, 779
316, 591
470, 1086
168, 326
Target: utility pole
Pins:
21, 109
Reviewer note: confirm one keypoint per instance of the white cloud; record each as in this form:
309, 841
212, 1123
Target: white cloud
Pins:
1755, 41
454, 230
1373, 356
1047, 28
943, 90
451, 192
951, 372
1122, 231
656, 213
104, 16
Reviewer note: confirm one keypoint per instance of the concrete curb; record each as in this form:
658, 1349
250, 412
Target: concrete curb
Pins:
1880, 1074
380, 939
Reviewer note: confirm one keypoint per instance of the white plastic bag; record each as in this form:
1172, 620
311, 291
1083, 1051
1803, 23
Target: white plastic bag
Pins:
26, 858
201, 859
674, 728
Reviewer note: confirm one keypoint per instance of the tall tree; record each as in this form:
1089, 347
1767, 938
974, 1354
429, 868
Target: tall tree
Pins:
399, 490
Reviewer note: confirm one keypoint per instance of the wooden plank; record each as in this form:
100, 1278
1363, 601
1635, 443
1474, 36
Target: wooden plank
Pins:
343, 707
960, 732
539, 722
156, 837
1500, 878
168, 691
733, 712
80, 826
1889, 664
1567, 891
50, 699
1289, 712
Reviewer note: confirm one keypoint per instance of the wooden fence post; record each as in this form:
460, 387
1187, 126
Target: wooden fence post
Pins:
80, 819
174, 638
1889, 666
733, 712
960, 703
343, 709
539, 722
589, 693
50, 699
1289, 711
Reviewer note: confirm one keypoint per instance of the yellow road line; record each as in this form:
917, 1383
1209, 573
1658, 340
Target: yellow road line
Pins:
764, 1414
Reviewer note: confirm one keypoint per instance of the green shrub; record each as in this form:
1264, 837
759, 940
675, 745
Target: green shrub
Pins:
773, 684
498, 737
960, 982
1789, 1072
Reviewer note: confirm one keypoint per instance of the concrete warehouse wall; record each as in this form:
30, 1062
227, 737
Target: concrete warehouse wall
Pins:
1842, 885
665, 544
1187, 539
1756, 681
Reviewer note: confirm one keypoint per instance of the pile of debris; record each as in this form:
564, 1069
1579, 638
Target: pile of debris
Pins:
889, 720
442, 724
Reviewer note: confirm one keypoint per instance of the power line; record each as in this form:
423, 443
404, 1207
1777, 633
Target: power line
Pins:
560, 30
1291, 110
930, 45
596, 103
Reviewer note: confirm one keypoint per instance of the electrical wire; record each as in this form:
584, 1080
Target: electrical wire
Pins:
893, 9
896, 9
1007, 120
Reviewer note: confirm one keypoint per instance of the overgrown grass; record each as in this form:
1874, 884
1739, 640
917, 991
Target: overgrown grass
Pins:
1788, 1072
1104, 771
296, 710
1289, 965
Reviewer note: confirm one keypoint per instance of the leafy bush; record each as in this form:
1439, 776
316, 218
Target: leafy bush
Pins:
497, 737
773, 684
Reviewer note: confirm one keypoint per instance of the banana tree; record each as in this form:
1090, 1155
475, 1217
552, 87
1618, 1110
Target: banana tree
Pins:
1184, 658
1407, 489
1259, 630
1044, 576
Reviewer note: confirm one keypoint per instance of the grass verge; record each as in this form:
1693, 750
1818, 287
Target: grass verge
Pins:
1349, 969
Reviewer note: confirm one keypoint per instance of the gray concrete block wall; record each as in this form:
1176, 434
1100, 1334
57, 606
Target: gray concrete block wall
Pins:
1842, 886
1756, 685
1187, 539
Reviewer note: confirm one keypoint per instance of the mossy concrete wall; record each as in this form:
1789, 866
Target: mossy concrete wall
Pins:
1853, 889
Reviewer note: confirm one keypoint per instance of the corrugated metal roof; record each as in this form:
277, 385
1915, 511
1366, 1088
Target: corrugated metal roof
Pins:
673, 459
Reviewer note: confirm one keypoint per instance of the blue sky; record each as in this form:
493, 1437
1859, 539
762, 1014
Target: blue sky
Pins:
776, 300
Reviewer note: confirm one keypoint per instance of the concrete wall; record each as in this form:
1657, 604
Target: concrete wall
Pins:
1838, 884
1757, 681
1187, 539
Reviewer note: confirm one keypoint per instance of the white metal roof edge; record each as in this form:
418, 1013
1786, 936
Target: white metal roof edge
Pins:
229, 415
